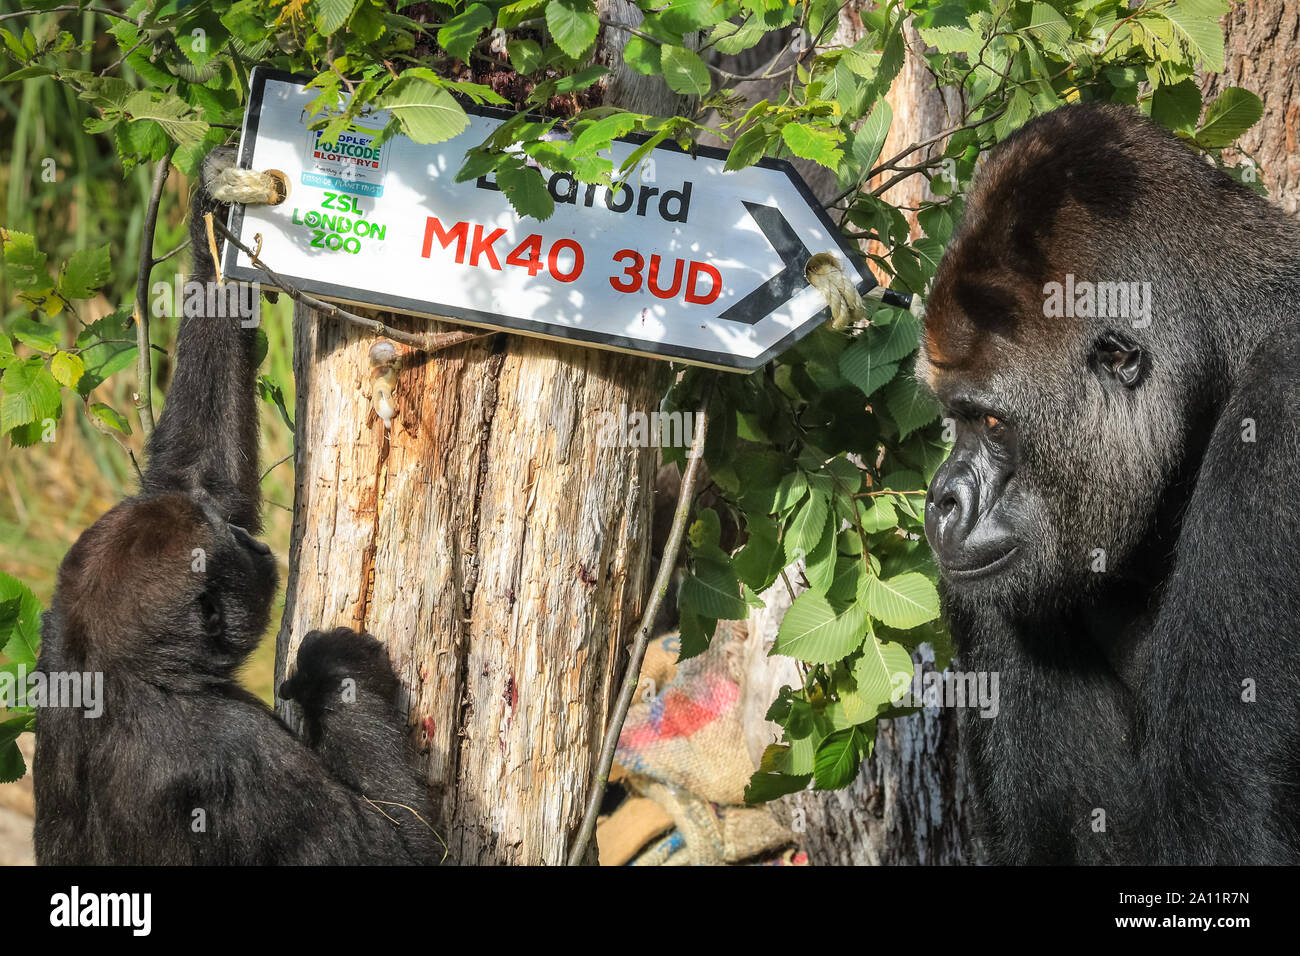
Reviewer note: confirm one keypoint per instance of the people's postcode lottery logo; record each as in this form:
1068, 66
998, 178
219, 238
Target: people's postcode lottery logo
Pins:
351, 161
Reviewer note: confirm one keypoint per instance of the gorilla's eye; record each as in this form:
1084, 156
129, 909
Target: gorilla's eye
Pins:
210, 611
992, 423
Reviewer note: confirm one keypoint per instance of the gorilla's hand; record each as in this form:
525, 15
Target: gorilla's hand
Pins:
337, 668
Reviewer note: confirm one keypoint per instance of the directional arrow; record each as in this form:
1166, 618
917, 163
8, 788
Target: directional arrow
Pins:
646, 266
781, 288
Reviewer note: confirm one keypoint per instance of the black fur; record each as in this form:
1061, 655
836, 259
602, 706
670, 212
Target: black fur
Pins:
166, 595
1122, 687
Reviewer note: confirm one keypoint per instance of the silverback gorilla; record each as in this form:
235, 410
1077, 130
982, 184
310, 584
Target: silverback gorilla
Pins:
1117, 525
166, 595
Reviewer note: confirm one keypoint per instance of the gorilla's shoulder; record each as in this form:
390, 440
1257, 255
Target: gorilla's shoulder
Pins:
1273, 375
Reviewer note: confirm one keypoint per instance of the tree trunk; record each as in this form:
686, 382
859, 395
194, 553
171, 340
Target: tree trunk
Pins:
1263, 47
491, 543
911, 803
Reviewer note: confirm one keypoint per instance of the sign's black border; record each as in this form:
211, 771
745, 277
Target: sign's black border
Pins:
492, 320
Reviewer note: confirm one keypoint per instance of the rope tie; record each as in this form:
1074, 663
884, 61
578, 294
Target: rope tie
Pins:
848, 306
249, 187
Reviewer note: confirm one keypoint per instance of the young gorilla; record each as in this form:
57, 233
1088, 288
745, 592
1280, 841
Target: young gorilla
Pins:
166, 595
1117, 526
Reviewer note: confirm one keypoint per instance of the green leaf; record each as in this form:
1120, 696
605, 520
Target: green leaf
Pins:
903, 601
24, 263
877, 514
861, 365
274, 394
881, 672
896, 340
814, 631
870, 138
458, 35
1235, 111
597, 135
106, 348
573, 25
910, 403
12, 766
580, 80
760, 561
109, 417
31, 394
332, 14
35, 335
730, 39
427, 113
714, 591
526, 190
1019, 108
1052, 29
820, 145
807, 527
83, 275
763, 787
20, 632
688, 16
170, 112
838, 757
748, 147
642, 56
1197, 22
525, 55
67, 369
705, 532
696, 632
684, 71
1177, 107
790, 491
516, 13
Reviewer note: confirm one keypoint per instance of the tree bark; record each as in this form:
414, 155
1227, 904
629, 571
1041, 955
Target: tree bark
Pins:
1263, 55
491, 543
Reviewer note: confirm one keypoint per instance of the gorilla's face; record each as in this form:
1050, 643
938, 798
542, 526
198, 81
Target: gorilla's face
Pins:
234, 599
1055, 476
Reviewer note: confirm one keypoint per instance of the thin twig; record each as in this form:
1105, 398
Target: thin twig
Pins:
143, 368
275, 466
68, 7
632, 676
118, 62
423, 341
159, 260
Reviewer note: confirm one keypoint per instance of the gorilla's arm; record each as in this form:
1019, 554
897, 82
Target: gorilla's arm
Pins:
348, 694
1219, 762
265, 798
206, 442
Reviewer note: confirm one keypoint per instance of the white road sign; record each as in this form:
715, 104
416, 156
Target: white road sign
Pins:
684, 261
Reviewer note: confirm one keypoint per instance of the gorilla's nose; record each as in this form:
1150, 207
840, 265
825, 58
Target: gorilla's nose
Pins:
248, 541
963, 536
951, 509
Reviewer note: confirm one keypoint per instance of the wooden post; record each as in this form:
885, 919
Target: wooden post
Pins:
497, 549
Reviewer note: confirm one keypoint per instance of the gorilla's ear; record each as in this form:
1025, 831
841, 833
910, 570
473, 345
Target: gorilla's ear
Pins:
210, 611
1119, 357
